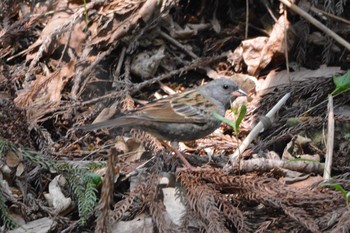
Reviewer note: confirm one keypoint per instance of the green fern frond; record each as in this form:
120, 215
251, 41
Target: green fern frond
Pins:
83, 187
87, 204
4, 146
8, 221
81, 181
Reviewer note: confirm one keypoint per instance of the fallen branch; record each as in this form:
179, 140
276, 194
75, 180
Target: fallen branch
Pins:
316, 23
266, 165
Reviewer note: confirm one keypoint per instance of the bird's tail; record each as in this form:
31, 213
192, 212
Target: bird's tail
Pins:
123, 121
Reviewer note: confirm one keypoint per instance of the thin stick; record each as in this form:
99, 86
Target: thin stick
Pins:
177, 44
254, 133
316, 23
286, 44
246, 18
119, 67
307, 5
330, 140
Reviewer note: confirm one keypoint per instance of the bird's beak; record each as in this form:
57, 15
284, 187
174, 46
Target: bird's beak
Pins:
239, 92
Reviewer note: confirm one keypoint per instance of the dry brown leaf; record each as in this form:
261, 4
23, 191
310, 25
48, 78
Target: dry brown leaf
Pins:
134, 11
257, 53
46, 88
307, 183
250, 52
62, 14
132, 149
20, 169
13, 158
106, 113
275, 79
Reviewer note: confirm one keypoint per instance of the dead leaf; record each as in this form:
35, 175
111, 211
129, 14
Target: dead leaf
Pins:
257, 53
41, 225
13, 159
275, 79
55, 197
45, 91
141, 223
20, 169
307, 183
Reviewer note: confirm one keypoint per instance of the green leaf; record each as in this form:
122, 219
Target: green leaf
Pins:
240, 118
96, 179
347, 199
234, 109
223, 119
337, 187
342, 83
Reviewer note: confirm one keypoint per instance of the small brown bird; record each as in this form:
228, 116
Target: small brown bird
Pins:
181, 117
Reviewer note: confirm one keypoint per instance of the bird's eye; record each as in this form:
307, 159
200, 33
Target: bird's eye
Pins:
225, 86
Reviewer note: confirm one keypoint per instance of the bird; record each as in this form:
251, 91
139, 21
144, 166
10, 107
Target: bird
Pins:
185, 116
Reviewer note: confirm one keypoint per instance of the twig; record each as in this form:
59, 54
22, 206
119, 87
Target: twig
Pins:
65, 46
177, 44
268, 8
307, 5
254, 133
286, 44
266, 165
119, 67
316, 23
330, 140
246, 19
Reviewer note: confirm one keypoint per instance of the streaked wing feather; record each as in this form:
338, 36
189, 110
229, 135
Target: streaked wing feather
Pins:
177, 110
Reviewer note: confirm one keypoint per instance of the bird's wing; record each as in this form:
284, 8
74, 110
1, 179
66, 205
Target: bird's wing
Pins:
189, 107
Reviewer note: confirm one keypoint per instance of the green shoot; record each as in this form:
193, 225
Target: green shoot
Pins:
239, 114
342, 191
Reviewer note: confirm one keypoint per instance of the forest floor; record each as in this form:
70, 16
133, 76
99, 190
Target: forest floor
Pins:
66, 64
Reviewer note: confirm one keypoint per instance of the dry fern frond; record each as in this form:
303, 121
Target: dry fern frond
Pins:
339, 6
302, 217
303, 31
255, 202
121, 207
343, 222
144, 194
192, 220
147, 140
208, 203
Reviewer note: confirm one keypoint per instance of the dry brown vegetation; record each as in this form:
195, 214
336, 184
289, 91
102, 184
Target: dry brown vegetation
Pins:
65, 64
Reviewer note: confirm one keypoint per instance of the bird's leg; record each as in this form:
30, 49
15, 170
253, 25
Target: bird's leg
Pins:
179, 154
